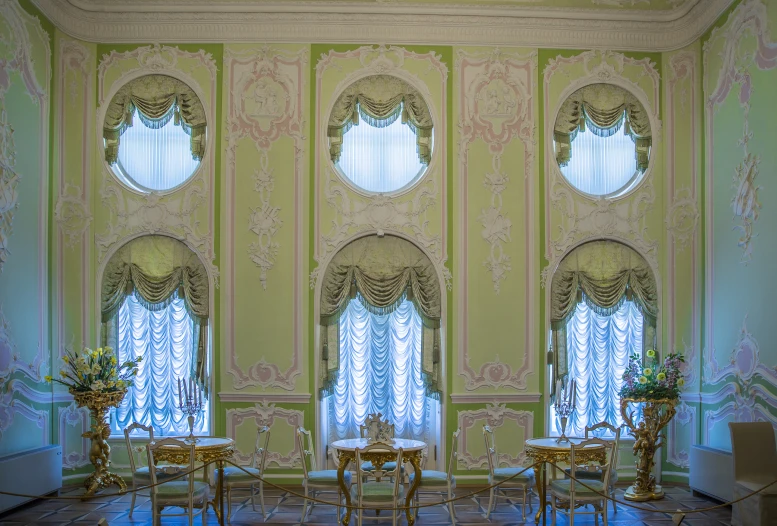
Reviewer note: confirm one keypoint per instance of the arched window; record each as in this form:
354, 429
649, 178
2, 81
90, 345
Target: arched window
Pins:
380, 134
603, 310
154, 133
602, 140
380, 335
155, 305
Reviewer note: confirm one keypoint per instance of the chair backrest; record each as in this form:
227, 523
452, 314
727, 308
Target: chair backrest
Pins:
491, 453
152, 466
129, 429
260, 448
753, 448
591, 431
305, 441
396, 454
609, 447
454, 453
376, 428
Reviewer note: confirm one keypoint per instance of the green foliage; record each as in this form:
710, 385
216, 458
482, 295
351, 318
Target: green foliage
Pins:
96, 370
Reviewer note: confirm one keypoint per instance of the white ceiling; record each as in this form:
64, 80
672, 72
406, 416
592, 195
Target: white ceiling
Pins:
647, 25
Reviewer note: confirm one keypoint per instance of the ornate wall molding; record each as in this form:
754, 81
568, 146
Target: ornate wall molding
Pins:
75, 417
72, 214
685, 415
266, 414
392, 22
496, 104
682, 218
264, 100
496, 416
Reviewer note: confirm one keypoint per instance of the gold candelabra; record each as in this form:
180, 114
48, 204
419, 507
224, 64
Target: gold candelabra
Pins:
656, 414
98, 403
566, 399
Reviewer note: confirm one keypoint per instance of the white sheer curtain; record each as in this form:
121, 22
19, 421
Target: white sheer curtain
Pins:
380, 159
598, 350
164, 339
601, 165
380, 371
155, 159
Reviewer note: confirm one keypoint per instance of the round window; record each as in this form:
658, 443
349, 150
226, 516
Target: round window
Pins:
380, 134
602, 140
154, 133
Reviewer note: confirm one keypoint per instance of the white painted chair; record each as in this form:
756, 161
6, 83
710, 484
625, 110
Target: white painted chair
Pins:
316, 482
236, 478
189, 494
593, 472
755, 466
377, 494
140, 473
376, 428
523, 480
566, 494
440, 483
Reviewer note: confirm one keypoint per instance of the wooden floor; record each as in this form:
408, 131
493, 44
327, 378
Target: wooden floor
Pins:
283, 508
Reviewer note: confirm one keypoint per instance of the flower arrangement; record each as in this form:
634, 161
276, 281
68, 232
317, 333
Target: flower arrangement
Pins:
96, 370
653, 380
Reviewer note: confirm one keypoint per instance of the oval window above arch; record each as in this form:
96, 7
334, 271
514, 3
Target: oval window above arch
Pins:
380, 134
154, 133
602, 140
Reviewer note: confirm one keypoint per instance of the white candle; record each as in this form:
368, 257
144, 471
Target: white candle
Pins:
185, 392
180, 399
574, 393
191, 390
200, 396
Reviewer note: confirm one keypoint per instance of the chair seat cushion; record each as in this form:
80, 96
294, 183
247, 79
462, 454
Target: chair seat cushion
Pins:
235, 474
377, 492
387, 466
562, 487
180, 490
328, 477
162, 472
434, 478
505, 473
584, 474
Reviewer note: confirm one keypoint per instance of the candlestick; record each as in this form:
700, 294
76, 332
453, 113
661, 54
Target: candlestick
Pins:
191, 405
565, 405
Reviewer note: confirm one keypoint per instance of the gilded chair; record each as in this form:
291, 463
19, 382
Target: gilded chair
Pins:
236, 478
375, 428
566, 494
592, 472
377, 494
316, 482
440, 483
755, 466
187, 494
523, 480
140, 473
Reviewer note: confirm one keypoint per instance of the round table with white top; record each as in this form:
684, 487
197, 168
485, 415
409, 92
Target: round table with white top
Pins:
411, 453
549, 449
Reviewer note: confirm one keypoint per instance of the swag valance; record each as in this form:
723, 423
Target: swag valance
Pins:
380, 100
157, 99
603, 274
156, 269
380, 273
602, 109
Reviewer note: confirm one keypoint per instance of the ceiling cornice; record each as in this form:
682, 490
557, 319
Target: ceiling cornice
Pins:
385, 22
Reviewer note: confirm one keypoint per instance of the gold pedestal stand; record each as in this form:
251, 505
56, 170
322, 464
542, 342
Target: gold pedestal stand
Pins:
98, 403
656, 414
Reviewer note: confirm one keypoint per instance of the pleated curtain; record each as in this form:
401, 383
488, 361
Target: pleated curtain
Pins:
381, 273
604, 275
156, 270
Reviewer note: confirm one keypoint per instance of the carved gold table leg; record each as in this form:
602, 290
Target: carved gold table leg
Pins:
345, 459
539, 480
415, 461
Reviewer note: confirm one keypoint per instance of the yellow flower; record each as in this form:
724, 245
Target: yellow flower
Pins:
647, 371
661, 377
681, 382
651, 353
113, 360
47, 378
63, 374
66, 359
642, 380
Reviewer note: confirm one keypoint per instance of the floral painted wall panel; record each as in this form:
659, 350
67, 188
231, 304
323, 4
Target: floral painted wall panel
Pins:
740, 374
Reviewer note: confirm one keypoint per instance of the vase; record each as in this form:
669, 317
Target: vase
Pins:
656, 414
98, 403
